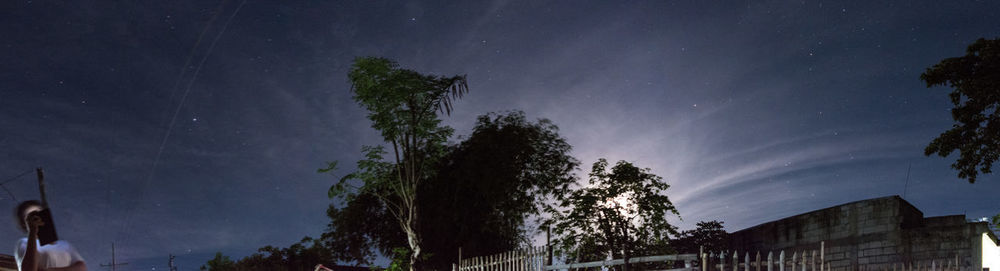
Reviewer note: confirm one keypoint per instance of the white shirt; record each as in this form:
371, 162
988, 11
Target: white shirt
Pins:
58, 254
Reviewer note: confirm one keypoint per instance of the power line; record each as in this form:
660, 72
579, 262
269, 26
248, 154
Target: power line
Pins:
15, 177
114, 263
12, 197
130, 211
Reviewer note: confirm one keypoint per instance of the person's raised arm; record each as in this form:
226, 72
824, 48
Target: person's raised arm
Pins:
30, 261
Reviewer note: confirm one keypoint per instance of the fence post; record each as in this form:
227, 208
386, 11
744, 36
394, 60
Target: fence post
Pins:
746, 261
502, 261
805, 259
521, 260
704, 260
781, 261
757, 264
770, 260
822, 255
505, 262
795, 256
722, 260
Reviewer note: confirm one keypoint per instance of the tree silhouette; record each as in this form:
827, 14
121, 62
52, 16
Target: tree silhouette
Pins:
403, 106
483, 191
620, 214
708, 234
975, 79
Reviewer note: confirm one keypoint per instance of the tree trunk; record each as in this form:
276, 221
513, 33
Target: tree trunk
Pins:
413, 238
414, 242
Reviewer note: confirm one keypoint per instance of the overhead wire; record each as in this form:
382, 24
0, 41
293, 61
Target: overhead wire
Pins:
2, 184
15, 177
127, 223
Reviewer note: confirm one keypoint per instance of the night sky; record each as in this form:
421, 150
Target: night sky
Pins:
190, 128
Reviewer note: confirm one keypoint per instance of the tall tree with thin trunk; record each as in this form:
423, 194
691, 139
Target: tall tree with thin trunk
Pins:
403, 105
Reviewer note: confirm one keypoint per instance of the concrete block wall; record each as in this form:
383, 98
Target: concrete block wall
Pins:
875, 232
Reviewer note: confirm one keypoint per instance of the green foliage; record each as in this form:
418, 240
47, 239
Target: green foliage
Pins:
620, 214
219, 263
303, 255
975, 78
708, 234
402, 105
400, 259
484, 189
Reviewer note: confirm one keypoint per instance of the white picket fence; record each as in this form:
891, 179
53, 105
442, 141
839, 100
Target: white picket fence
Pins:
812, 261
800, 260
526, 259
534, 259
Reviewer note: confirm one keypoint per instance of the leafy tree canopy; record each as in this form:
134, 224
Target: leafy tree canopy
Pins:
707, 234
402, 105
975, 79
219, 263
304, 255
484, 190
620, 214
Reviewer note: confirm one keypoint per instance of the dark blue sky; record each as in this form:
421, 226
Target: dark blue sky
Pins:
751, 110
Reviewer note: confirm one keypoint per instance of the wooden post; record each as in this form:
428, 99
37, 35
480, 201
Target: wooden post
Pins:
781, 261
757, 263
813, 262
746, 261
770, 260
805, 260
795, 256
704, 258
822, 255
722, 260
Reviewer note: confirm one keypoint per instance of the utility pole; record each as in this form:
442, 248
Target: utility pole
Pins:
171, 263
114, 264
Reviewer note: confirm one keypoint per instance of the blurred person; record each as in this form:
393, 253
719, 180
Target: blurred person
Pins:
31, 255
